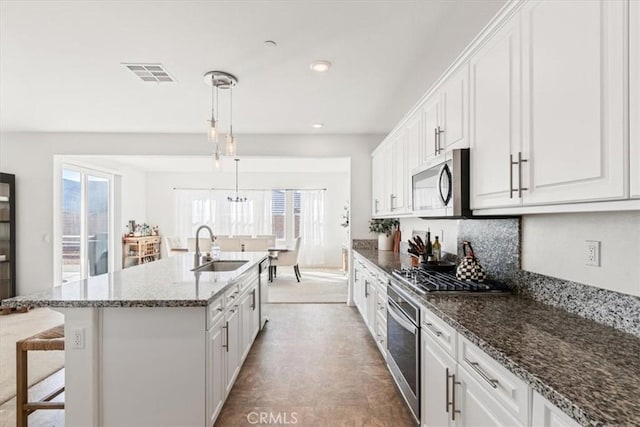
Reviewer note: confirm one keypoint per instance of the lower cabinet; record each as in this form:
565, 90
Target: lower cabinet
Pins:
476, 405
438, 373
546, 414
215, 369
234, 322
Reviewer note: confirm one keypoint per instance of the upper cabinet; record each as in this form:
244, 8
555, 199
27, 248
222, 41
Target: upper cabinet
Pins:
573, 99
547, 98
495, 118
634, 96
551, 132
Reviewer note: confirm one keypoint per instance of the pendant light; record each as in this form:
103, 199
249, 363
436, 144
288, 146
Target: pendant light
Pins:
236, 199
220, 80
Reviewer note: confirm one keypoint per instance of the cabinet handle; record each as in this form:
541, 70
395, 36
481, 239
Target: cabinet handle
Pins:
433, 329
439, 145
391, 202
366, 289
226, 328
520, 162
476, 367
446, 390
253, 297
435, 141
454, 411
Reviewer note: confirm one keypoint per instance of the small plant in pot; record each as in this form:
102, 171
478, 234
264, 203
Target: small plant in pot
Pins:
385, 228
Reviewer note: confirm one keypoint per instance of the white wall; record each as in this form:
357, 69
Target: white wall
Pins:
445, 229
554, 245
30, 157
161, 198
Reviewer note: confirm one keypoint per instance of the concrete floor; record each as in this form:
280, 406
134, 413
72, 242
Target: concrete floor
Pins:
315, 365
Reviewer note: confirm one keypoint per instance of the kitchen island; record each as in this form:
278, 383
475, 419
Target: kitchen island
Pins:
156, 344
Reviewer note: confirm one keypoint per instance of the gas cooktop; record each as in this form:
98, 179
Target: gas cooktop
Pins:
427, 281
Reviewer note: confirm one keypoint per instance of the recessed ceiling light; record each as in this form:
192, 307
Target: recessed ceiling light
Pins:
320, 66
317, 125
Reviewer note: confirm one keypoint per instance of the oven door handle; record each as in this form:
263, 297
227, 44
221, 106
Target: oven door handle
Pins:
401, 320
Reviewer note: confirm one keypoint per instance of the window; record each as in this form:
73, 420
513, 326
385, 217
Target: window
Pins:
278, 213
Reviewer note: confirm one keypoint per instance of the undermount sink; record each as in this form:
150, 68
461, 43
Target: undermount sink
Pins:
220, 265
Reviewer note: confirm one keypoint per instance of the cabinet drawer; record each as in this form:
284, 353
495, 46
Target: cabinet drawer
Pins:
437, 328
508, 390
381, 305
215, 311
381, 334
231, 295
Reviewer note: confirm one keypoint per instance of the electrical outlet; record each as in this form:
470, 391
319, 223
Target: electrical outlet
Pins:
592, 254
77, 338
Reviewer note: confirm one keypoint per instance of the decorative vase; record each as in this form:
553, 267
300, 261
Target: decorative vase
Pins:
385, 243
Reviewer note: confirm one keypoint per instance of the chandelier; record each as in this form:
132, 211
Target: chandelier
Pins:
236, 199
221, 80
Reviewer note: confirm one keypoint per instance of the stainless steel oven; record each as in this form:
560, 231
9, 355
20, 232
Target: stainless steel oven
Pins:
441, 189
403, 345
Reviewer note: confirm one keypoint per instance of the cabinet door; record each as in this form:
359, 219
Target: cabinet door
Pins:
546, 414
431, 118
372, 299
634, 96
437, 370
358, 283
215, 370
255, 324
412, 135
573, 70
377, 174
232, 326
477, 407
399, 169
455, 110
246, 326
495, 118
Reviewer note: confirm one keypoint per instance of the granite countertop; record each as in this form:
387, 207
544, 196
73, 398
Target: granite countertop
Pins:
167, 282
589, 370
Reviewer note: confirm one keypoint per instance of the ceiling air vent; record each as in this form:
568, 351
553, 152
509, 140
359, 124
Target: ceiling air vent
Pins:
150, 72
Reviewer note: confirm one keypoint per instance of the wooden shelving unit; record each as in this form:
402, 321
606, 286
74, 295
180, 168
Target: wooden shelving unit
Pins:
140, 250
7, 238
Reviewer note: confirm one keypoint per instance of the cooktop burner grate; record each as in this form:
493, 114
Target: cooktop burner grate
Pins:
433, 281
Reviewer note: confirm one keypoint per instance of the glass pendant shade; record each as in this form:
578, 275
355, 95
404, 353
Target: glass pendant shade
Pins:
231, 145
212, 131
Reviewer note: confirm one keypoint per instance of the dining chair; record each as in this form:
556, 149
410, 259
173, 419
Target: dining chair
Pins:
288, 258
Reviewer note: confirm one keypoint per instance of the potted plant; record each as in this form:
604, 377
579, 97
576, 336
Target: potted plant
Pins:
385, 228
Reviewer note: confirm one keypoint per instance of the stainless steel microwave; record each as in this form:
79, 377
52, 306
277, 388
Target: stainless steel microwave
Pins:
441, 190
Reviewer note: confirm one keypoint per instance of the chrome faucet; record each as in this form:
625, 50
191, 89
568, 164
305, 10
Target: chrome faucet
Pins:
196, 260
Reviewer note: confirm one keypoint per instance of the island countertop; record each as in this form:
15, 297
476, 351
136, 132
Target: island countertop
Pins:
589, 370
167, 282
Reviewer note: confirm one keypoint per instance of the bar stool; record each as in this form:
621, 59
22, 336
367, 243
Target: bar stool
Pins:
51, 339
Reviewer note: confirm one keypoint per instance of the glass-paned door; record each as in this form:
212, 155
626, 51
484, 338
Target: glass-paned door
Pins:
86, 224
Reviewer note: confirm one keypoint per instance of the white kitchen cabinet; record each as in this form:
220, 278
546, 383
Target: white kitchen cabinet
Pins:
573, 99
495, 118
546, 414
431, 113
398, 174
438, 370
413, 134
249, 318
377, 183
215, 370
476, 405
232, 342
634, 97
358, 283
454, 121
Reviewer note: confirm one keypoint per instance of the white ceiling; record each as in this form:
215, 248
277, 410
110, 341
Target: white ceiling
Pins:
60, 62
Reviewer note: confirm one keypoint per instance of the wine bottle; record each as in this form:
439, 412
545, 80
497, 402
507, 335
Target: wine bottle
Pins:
437, 253
428, 249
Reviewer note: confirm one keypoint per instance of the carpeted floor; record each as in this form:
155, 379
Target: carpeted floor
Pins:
17, 326
316, 286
